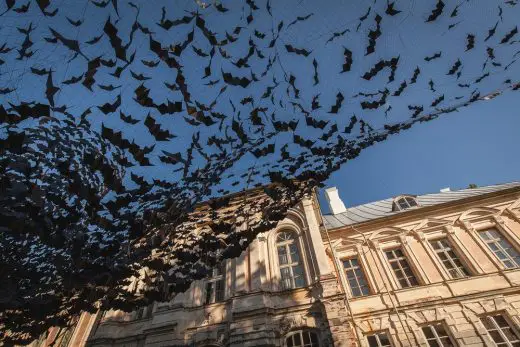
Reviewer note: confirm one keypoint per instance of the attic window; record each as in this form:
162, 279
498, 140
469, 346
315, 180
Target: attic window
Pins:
404, 202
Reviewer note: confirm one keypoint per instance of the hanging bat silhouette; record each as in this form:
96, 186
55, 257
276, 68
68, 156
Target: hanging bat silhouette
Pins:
178, 49
92, 67
390, 10
75, 23
111, 107
108, 63
116, 42
401, 88
128, 119
379, 66
376, 103
300, 19
364, 17
73, 45
139, 77
455, 67
417, 110
40, 72
350, 126
24, 51
260, 35
150, 63
437, 101
51, 89
463, 85
4, 49
94, 40
479, 79
436, 12
333, 129
339, 100
315, 104
470, 42
155, 129
455, 11
336, 35
235, 81
373, 35
43, 4
201, 24
491, 53
416, 74
491, 32
315, 76
500, 13
23, 8
199, 52
167, 24
298, 51
509, 35
108, 87
155, 46
348, 59
292, 83
262, 152
435, 56
239, 130
297, 139
172, 158
432, 85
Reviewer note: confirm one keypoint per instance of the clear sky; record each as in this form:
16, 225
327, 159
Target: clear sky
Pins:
480, 144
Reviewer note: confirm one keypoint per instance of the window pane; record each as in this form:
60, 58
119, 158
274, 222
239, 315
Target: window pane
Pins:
356, 277
372, 341
282, 255
428, 332
383, 340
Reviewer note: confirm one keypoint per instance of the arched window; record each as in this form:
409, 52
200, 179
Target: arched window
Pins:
404, 202
302, 338
289, 260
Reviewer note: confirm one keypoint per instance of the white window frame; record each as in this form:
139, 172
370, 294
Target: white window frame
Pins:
290, 264
407, 259
512, 326
364, 273
503, 235
436, 334
453, 247
406, 199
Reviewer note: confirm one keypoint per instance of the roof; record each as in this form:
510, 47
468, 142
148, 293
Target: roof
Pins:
383, 208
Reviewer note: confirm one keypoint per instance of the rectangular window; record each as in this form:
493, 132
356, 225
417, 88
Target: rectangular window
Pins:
378, 340
449, 258
215, 285
436, 336
501, 331
401, 268
501, 247
356, 278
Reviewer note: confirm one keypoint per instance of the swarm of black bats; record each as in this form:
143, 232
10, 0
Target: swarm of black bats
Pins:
121, 149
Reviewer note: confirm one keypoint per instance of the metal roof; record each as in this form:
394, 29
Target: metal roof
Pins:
383, 208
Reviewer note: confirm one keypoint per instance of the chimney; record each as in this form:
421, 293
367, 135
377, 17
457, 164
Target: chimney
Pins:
444, 190
335, 203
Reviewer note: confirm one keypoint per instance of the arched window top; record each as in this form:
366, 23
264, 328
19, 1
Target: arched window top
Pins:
284, 236
302, 338
402, 203
289, 261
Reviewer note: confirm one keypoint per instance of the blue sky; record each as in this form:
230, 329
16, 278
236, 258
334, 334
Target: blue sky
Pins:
480, 144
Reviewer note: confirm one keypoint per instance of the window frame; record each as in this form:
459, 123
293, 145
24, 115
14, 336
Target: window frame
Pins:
362, 267
290, 265
455, 249
377, 333
300, 332
214, 279
509, 322
437, 339
392, 271
504, 235
396, 204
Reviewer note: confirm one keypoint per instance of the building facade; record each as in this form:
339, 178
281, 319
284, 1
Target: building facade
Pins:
431, 270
